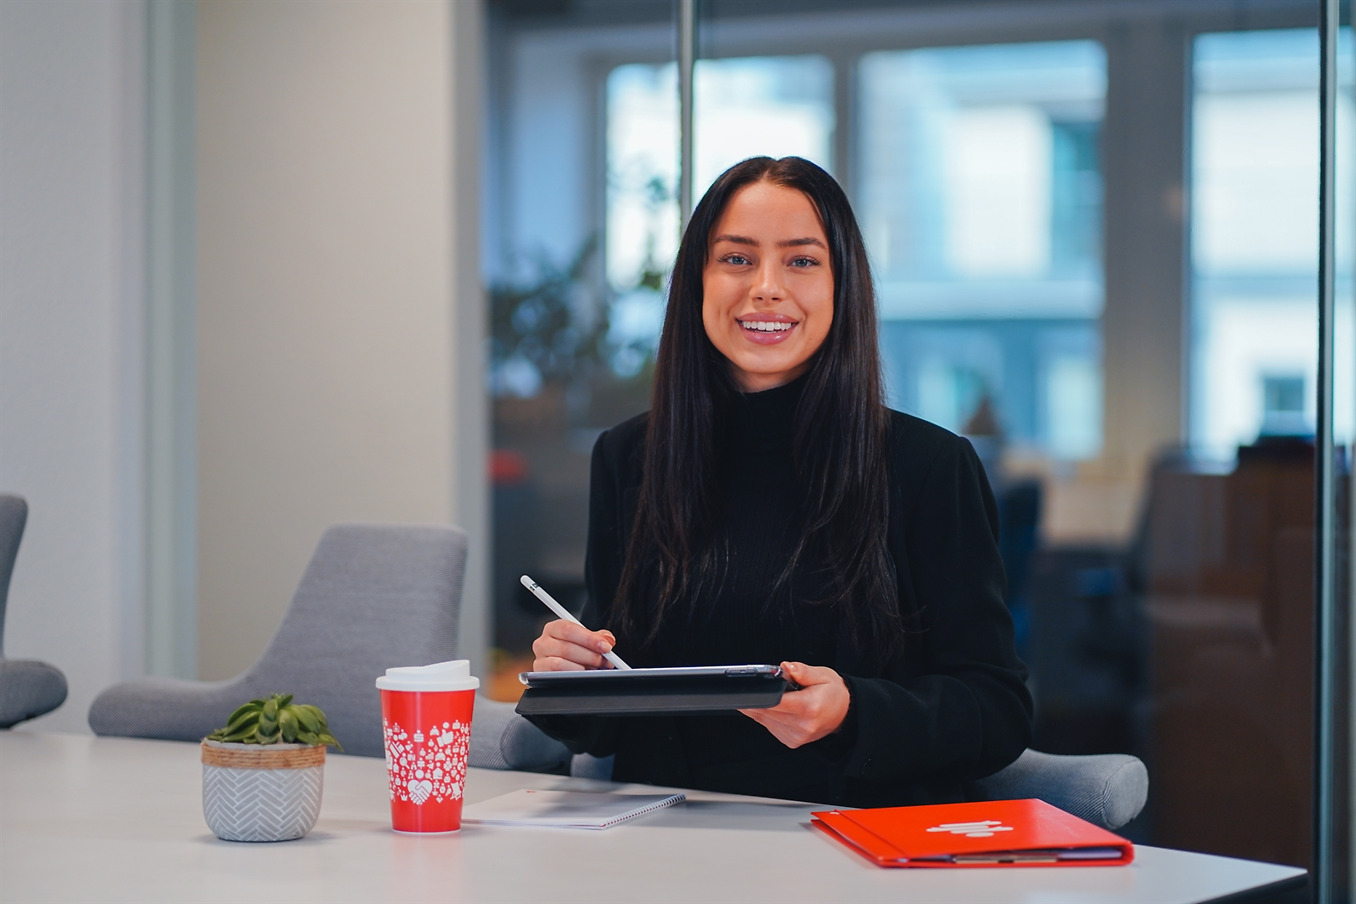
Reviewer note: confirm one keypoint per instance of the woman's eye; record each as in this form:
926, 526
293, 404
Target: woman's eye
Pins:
804, 262
736, 259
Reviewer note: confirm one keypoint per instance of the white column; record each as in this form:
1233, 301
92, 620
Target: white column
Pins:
339, 317
1144, 322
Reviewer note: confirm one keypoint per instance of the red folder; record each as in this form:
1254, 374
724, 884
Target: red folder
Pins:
983, 833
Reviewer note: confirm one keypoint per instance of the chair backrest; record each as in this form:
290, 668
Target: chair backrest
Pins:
13, 516
372, 597
28, 687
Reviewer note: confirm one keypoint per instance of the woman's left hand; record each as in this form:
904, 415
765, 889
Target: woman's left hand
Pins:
813, 712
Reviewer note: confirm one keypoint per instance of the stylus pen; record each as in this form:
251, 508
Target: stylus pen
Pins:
564, 613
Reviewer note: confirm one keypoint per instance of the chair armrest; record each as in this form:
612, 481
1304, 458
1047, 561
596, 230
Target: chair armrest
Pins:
29, 688
502, 739
1106, 789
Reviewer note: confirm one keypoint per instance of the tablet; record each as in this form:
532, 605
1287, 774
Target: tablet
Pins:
634, 692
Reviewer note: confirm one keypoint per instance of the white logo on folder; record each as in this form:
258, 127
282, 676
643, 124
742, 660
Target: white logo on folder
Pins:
982, 829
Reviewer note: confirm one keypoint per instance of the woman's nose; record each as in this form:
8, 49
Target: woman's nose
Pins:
768, 286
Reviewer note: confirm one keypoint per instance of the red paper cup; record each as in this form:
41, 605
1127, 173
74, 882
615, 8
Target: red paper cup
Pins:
426, 723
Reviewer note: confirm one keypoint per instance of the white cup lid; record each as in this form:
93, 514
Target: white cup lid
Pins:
453, 675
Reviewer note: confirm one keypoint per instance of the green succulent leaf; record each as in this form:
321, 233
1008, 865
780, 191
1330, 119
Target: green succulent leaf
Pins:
288, 724
319, 717
308, 720
246, 722
243, 710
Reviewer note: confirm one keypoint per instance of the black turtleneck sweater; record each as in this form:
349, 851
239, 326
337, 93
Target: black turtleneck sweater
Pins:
951, 707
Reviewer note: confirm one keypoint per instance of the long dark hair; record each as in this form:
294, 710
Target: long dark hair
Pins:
839, 435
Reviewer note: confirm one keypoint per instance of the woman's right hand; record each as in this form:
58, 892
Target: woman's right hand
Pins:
565, 646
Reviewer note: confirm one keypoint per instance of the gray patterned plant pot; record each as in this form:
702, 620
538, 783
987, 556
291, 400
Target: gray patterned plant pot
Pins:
253, 792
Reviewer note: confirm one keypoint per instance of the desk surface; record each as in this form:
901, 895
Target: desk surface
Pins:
113, 819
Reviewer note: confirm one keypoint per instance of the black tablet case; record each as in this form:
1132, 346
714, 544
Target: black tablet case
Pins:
623, 695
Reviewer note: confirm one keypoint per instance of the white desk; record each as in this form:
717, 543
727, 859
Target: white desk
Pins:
112, 819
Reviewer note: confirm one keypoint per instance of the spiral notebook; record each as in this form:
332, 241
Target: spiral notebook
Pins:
566, 809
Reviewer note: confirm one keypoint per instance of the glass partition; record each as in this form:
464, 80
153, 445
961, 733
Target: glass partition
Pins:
1339, 877
1095, 237
571, 315
1226, 565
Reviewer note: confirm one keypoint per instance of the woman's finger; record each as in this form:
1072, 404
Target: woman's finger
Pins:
565, 645
571, 632
556, 664
808, 675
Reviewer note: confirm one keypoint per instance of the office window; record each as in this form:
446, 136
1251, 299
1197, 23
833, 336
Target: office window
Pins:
1254, 236
1283, 404
980, 194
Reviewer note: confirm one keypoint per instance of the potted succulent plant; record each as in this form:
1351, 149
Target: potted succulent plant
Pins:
263, 772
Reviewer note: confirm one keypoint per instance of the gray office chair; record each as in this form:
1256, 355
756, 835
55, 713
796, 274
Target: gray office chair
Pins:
1107, 789
502, 739
28, 688
372, 597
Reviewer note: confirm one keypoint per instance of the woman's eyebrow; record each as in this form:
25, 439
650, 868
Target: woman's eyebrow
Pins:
785, 243
736, 239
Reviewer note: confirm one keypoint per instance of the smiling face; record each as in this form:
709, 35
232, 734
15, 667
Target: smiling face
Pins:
767, 289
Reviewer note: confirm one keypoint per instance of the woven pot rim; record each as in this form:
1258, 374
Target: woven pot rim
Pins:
234, 755
237, 745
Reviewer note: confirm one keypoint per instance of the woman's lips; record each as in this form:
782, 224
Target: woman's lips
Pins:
767, 332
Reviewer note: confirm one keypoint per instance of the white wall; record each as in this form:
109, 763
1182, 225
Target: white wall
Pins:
339, 314
71, 408
339, 311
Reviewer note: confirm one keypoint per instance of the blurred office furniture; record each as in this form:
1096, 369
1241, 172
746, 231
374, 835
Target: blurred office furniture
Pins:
1019, 519
539, 494
1226, 571
28, 687
516, 501
1108, 790
372, 597
1086, 650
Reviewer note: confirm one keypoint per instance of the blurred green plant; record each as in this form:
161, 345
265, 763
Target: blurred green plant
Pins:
554, 322
543, 320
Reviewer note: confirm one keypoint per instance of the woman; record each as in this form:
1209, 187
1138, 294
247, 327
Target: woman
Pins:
769, 508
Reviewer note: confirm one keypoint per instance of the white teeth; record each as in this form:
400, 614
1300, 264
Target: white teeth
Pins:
765, 326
